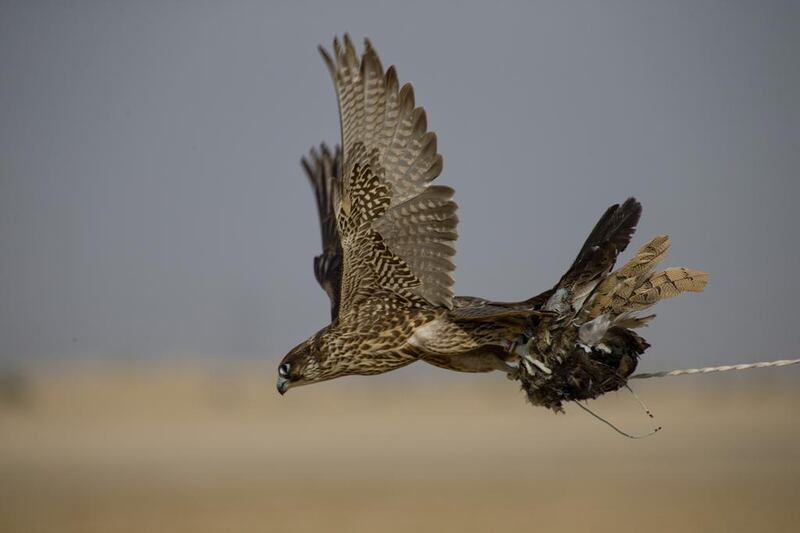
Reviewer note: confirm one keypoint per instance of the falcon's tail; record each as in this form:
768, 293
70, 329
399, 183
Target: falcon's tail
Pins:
582, 345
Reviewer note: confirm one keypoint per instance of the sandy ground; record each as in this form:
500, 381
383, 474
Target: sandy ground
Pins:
189, 448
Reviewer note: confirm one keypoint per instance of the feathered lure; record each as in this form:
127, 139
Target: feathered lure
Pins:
582, 345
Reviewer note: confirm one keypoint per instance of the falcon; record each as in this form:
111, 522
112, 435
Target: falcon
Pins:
388, 236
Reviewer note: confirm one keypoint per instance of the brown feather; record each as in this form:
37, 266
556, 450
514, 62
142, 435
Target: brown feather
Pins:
398, 233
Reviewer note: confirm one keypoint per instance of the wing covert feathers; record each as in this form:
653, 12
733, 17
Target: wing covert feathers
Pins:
422, 231
397, 231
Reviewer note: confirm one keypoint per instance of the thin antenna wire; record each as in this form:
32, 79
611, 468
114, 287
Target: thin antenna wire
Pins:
641, 402
615, 428
710, 369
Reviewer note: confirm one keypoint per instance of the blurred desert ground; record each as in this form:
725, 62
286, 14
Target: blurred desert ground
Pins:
201, 447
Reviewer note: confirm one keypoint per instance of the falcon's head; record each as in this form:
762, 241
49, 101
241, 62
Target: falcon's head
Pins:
301, 365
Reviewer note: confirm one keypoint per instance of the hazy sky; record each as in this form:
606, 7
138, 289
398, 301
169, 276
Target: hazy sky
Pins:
151, 200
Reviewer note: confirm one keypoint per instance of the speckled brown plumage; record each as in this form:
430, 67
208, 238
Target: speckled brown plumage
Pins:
388, 236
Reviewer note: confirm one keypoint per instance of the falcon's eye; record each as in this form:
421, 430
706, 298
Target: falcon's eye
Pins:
283, 370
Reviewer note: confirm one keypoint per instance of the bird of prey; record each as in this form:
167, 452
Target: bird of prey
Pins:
388, 236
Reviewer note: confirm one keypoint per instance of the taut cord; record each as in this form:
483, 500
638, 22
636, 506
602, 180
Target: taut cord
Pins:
684, 372
711, 369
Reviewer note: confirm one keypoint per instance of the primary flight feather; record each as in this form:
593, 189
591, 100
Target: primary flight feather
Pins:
388, 236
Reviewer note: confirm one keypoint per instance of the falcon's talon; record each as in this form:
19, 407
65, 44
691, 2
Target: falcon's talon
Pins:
526, 362
538, 364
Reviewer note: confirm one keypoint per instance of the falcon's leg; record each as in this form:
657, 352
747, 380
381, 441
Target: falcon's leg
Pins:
485, 359
519, 348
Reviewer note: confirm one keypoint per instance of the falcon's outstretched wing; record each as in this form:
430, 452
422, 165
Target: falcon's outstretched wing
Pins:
323, 169
397, 231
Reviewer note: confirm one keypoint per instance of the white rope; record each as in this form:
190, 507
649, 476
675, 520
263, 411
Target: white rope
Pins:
710, 369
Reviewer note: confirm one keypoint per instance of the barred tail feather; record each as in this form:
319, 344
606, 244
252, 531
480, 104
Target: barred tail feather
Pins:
662, 285
633, 287
646, 257
619, 285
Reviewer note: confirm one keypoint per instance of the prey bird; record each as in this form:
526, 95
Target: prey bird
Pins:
388, 236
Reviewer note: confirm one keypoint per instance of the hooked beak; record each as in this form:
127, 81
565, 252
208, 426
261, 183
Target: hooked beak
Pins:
283, 385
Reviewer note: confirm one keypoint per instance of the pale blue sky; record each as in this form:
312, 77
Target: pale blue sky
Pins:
151, 200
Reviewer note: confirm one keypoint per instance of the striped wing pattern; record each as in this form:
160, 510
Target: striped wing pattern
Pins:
397, 231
